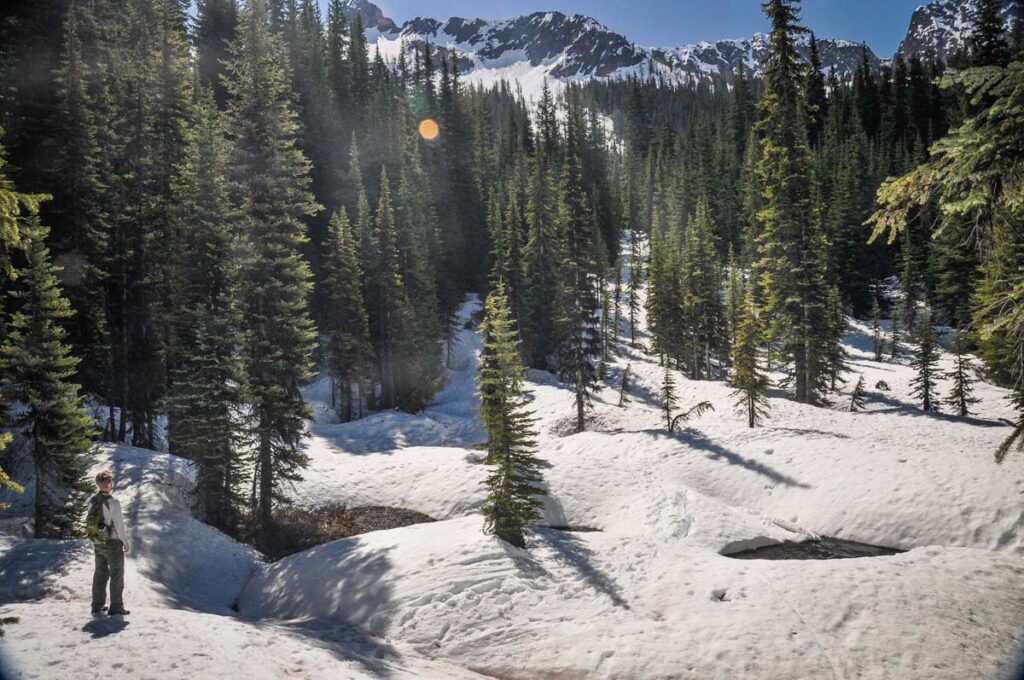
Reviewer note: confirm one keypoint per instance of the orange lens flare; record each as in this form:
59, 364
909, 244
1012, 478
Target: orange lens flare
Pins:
429, 129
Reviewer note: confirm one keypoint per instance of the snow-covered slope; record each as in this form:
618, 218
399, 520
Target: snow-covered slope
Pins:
943, 26
618, 601
181, 579
644, 592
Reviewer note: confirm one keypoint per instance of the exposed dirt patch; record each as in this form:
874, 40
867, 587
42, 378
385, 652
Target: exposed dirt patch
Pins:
300, 529
823, 548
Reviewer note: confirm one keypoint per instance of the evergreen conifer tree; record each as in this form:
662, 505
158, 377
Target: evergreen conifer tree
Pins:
635, 282
876, 328
858, 398
79, 206
668, 395
835, 352
624, 386
513, 483
580, 347
206, 400
894, 334
817, 101
36, 364
215, 28
925, 364
988, 144
961, 397
751, 384
13, 237
987, 42
271, 179
347, 350
700, 276
735, 294
544, 249
792, 248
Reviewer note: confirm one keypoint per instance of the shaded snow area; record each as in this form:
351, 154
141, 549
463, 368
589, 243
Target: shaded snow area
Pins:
643, 592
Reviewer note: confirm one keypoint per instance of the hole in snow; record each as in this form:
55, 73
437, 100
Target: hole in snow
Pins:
573, 529
300, 529
824, 548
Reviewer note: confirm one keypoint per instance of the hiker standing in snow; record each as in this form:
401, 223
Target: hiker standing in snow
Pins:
105, 528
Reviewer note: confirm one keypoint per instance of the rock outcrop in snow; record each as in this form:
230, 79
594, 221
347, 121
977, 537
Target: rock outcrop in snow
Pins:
942, 27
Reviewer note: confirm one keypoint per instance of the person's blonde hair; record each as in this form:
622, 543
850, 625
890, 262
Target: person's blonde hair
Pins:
104, 476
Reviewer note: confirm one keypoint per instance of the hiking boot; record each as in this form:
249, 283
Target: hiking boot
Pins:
99, 610
118, 612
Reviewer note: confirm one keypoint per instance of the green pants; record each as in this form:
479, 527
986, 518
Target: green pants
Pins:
109, 566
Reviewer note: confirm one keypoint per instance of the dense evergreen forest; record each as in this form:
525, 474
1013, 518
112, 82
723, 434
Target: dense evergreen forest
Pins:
200, 214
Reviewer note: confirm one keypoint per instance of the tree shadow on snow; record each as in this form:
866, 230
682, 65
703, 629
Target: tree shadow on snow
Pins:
355, 606
701, 442
573, 551
31, 567
347, 643
802, 430
905, 409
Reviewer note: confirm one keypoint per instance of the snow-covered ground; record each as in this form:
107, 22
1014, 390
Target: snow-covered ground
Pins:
646, 595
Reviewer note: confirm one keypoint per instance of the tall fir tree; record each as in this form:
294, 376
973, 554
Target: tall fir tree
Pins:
215, 25
987, 42
514, 481
80, 206
580, 346
959, 176
347, 350
817, 101
388, 308
206, 407
271, 179
791, 247
13, 238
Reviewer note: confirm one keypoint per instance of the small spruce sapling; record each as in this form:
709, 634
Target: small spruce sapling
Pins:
961, 398
876, 328
624, 386
859, 397
894, 334
751, 385
668, 395
925, 364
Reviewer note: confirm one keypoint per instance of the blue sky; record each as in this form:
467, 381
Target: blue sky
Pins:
665, 23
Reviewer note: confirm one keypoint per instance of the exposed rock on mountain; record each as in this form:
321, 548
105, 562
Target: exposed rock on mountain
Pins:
942, 27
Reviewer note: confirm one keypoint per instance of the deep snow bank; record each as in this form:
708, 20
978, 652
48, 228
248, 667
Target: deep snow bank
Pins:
649, 595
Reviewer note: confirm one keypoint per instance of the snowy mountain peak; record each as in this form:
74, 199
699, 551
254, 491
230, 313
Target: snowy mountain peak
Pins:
942, 27
561, 48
